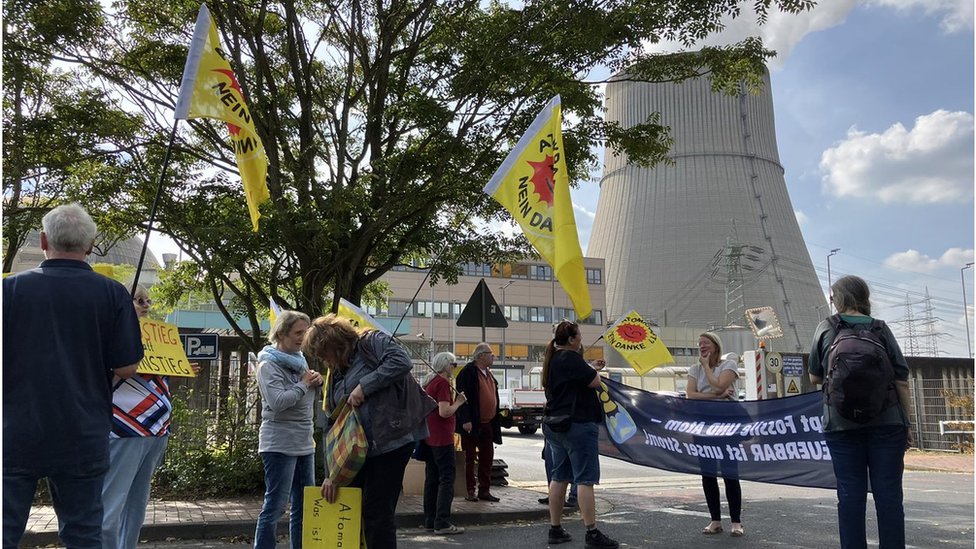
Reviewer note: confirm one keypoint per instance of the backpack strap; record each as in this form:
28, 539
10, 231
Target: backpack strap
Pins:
836, 322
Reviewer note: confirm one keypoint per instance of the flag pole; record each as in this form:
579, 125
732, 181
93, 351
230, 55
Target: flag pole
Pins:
430, 266
155, 204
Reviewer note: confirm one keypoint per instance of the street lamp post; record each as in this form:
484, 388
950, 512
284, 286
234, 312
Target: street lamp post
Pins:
504, 330
431, 322
965, 308
829, 281
453, 327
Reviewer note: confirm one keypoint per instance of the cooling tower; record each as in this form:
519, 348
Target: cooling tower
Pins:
697, 242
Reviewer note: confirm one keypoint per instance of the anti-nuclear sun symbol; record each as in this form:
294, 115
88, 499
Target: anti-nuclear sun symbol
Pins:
544, 179
633, 333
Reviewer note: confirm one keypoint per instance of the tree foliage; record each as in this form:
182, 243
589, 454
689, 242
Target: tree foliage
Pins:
58, 129
382, 122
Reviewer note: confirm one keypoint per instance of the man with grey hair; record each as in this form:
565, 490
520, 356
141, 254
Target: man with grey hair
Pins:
478, 421
67, 331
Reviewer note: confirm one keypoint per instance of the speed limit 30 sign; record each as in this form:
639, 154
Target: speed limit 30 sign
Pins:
774, 362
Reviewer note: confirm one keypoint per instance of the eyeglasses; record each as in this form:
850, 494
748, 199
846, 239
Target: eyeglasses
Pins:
142, 301
454, 364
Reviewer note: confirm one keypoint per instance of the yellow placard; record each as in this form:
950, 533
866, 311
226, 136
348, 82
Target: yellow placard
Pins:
164, 351
331, 525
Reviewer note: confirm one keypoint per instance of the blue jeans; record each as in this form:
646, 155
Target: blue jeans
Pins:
547, 459
284, 477
878, 454
439, 487
132, 462
77, 495
575, 453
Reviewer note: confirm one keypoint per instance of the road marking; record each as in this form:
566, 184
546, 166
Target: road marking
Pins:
660, 482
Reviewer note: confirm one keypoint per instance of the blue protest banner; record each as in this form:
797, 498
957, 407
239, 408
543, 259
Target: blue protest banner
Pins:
777, 441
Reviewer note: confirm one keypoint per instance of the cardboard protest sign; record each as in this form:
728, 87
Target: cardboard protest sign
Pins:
164, 351
332, 525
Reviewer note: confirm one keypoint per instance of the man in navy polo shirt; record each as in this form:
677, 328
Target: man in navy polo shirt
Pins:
66, 331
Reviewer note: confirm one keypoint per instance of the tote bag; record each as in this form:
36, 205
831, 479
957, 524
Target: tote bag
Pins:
345, 446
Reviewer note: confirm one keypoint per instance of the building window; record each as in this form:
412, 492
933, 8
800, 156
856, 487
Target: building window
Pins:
397, 308
476, 269
593, 353
539, 314
540, 272
595, 318
594, 276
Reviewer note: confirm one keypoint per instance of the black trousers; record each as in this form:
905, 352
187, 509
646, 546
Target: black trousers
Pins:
439, 487
381, 479
733, 493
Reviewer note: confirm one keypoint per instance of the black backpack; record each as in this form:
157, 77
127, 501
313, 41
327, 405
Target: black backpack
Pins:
860, 378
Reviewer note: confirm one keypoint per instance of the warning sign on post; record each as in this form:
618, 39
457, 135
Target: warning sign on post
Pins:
792, 385
164, 350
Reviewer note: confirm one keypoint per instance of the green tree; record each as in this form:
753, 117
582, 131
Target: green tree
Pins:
58, 130
383, 120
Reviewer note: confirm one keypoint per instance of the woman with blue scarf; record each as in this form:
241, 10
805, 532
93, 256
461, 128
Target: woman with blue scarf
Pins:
285, 439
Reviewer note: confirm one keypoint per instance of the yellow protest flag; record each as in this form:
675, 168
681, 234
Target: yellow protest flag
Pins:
274, 311
330, 525
164, 354
533, 185
210, 90
358, 317
634, 339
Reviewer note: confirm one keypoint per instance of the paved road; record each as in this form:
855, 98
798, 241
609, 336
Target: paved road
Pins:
645, 507
523, 455
939, 506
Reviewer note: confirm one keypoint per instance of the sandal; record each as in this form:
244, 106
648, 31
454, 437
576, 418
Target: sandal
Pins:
712, 530
737, 531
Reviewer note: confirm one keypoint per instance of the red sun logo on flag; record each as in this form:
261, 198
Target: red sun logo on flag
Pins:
544, 179
634, 333
234, 130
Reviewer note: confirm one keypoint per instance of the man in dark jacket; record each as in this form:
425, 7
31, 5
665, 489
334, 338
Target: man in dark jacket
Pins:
68, 330
478, 422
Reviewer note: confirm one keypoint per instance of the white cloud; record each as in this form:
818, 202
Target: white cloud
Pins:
956, 15
583, 211
781, 32
801, 218
930, 163
916, 261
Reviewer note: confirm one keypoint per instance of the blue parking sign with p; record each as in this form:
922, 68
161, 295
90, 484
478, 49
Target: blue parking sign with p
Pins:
200, 346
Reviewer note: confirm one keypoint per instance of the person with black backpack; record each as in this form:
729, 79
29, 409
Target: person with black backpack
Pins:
865, 421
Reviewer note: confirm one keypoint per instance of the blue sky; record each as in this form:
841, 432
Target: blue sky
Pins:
874, 120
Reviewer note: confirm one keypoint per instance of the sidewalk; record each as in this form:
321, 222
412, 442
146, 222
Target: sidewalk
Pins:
213, 518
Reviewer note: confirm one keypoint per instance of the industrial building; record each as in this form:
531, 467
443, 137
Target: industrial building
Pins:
696, 242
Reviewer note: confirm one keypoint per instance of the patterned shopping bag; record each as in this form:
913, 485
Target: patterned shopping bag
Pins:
345, 446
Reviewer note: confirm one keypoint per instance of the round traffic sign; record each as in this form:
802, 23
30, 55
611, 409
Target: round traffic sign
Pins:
774, 362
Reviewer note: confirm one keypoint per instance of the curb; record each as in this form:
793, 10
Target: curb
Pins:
235, 528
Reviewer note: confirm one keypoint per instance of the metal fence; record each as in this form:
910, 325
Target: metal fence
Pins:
931, 404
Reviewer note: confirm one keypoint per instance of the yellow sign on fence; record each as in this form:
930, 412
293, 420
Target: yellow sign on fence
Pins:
332, 525
164, 351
